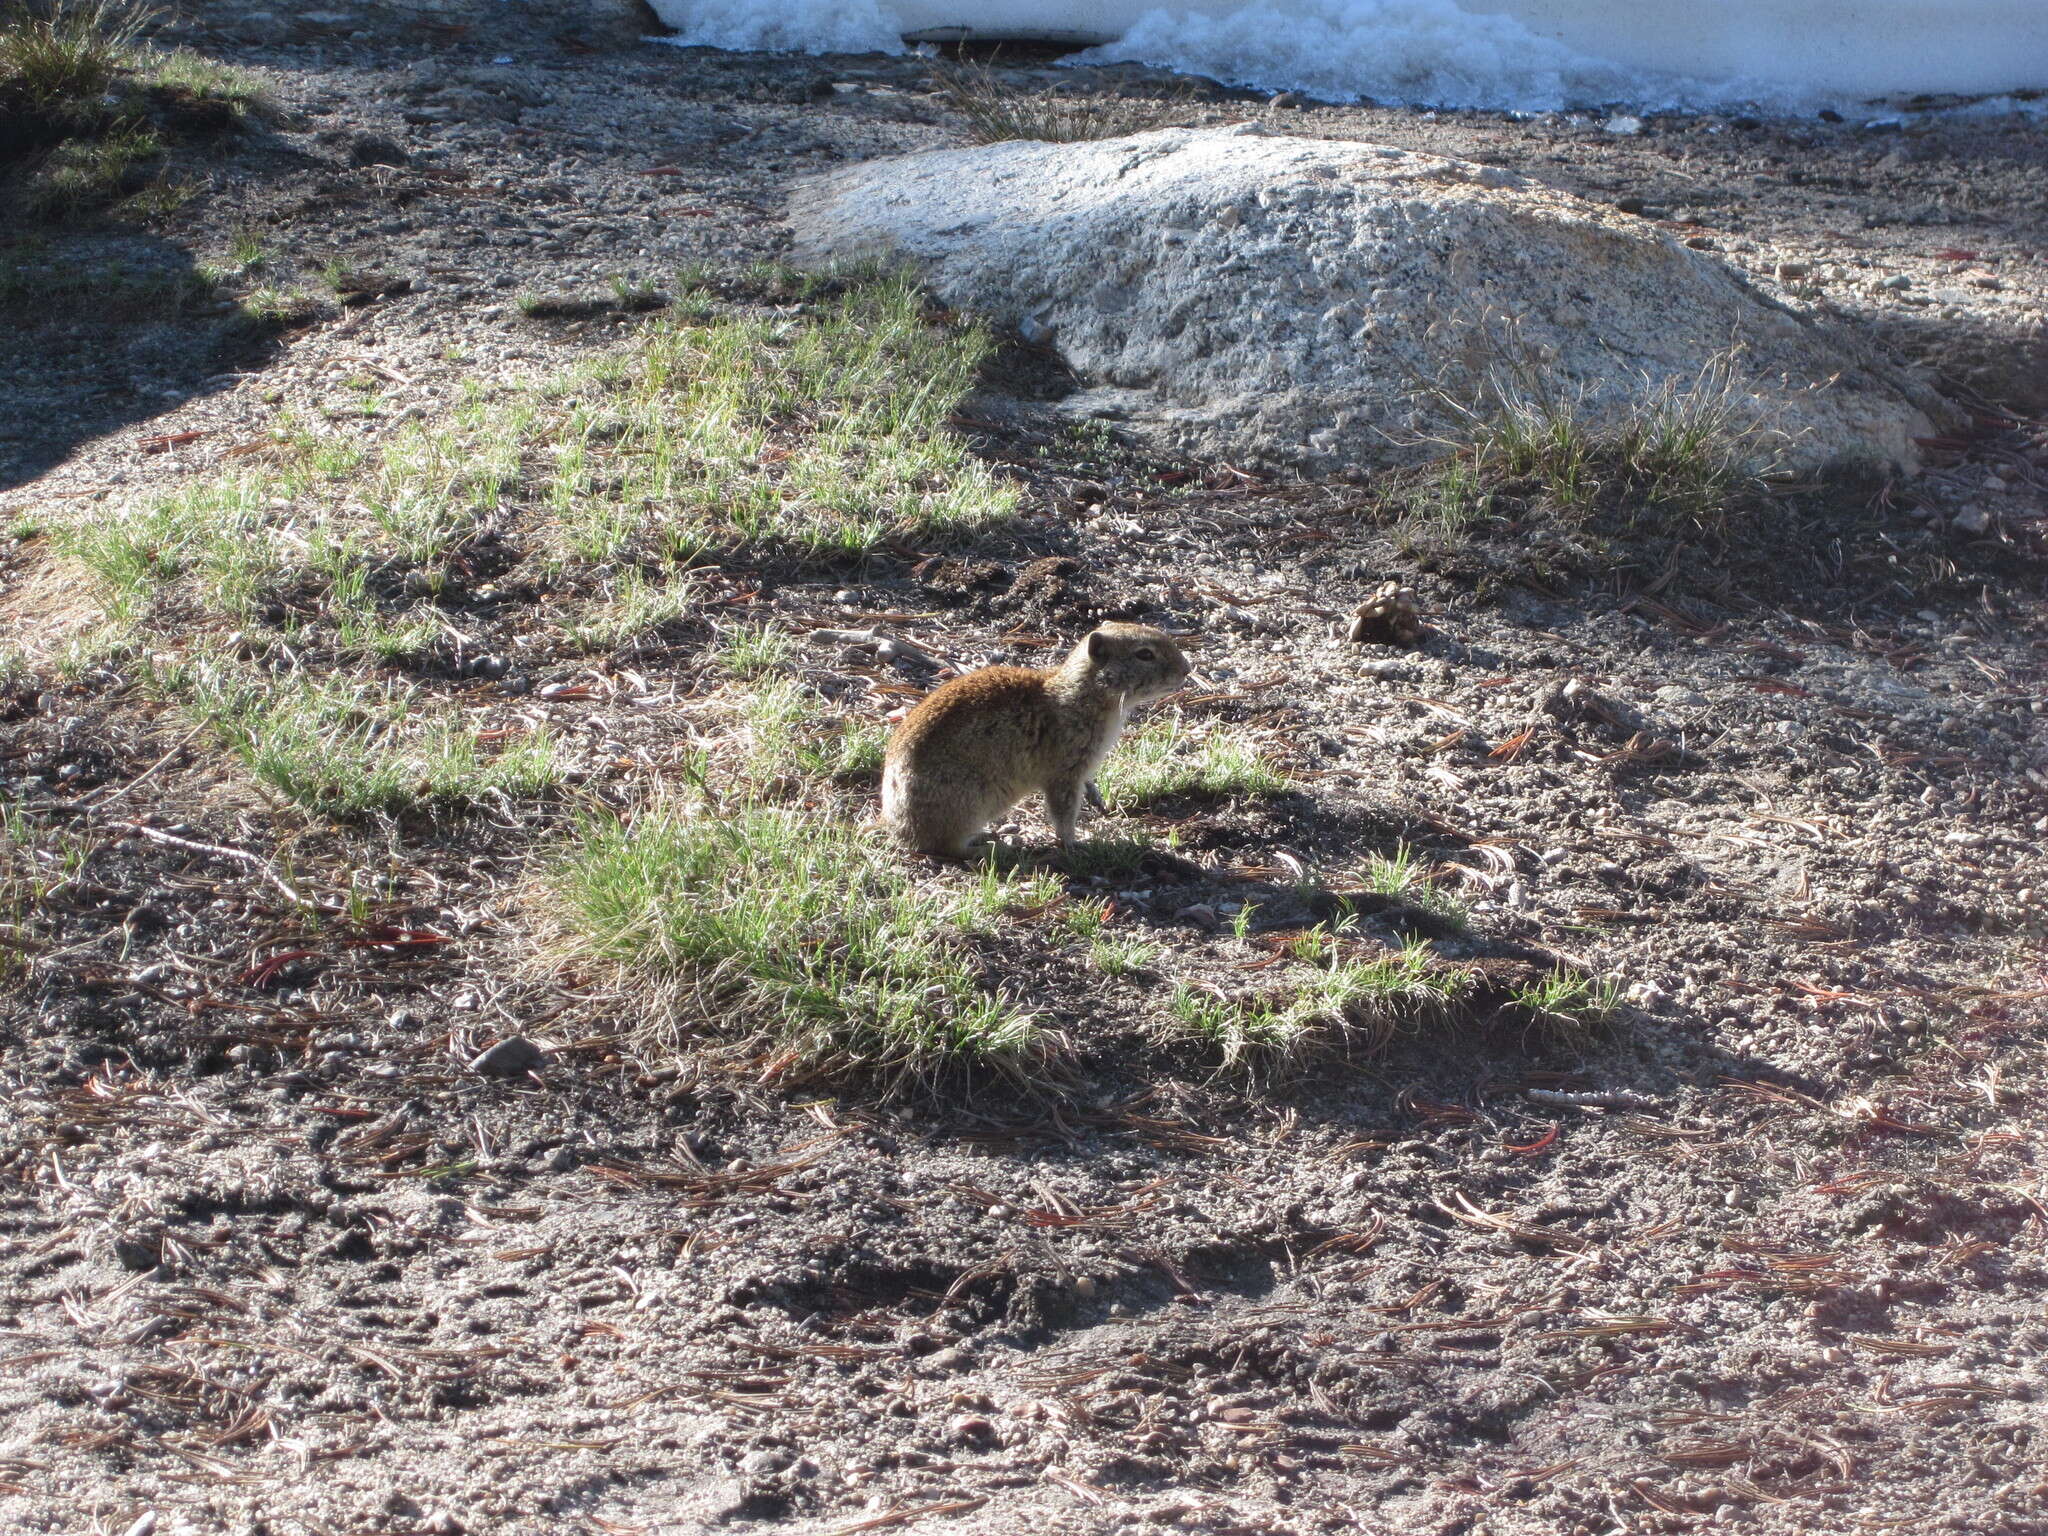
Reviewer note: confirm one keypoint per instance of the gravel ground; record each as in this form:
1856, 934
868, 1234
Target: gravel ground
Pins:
1768, 1254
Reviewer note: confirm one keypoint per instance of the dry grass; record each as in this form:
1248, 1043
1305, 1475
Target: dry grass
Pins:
996, 109
1682, 456
57, 59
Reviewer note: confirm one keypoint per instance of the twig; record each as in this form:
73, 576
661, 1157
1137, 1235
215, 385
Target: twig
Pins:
253, 861
1564, 1100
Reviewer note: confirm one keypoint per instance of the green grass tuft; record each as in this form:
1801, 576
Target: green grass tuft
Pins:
1168, 758
824, 433
1356, 1004
1402, 876
1569, 1004
87, 173
57, 59
206, 92
1123, 957
790, 729
800, 926
354, 751
816, 434
748, 653
1684, 456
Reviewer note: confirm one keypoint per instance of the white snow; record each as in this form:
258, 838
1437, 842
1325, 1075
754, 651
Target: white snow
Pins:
1527, 55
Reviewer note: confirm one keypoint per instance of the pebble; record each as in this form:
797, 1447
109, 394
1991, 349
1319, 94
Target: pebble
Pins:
971, 1429
513, 1056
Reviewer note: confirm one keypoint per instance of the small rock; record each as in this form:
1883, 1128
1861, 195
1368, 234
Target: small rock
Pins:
1623, 124
763, 1463
261, 28
1390, 615
513, 1056
376, 149
1679, 695
137, 1255
1897, 283
971, 1429
1633, 205
1973, 519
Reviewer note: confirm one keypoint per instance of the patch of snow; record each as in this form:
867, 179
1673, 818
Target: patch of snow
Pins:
1515, 55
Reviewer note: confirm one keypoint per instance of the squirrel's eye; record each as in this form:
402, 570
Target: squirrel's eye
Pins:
1143, 653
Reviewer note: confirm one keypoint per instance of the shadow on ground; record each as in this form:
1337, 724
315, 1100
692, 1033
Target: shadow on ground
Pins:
101, 332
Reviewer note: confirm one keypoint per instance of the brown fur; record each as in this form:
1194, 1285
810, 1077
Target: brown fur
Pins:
981, 743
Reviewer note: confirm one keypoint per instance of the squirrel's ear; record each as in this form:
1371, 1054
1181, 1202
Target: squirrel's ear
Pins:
1097, 643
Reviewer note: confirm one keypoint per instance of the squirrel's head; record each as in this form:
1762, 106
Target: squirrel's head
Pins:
1135, 660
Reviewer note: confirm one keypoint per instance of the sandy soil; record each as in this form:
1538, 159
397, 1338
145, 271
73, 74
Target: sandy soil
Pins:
1768, 1255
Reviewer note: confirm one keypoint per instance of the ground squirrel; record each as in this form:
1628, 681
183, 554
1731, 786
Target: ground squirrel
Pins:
981, 743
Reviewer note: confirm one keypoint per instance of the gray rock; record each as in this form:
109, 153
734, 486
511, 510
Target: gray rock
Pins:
1680, 696
1250, 295
376, 149
513, 1056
